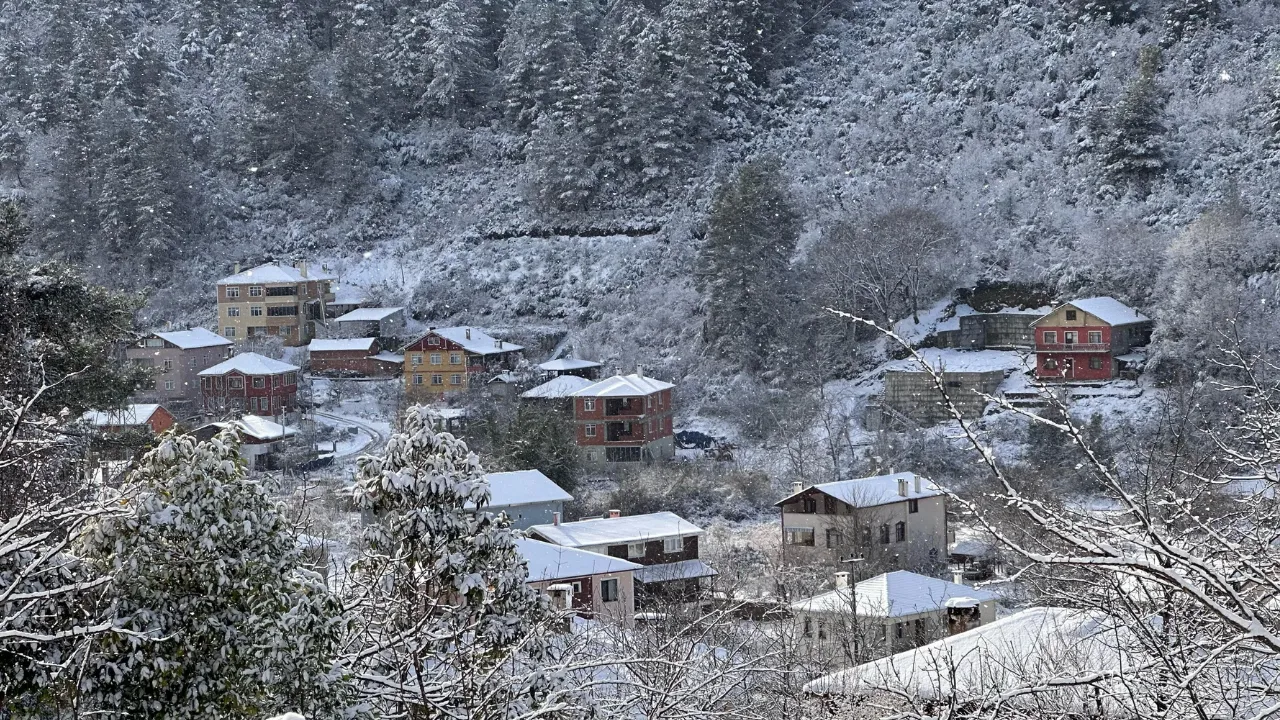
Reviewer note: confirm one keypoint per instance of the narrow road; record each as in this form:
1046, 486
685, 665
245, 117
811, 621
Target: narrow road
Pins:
376, 438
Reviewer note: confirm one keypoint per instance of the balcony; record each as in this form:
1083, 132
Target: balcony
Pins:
624, 406
1073, 347
623, 432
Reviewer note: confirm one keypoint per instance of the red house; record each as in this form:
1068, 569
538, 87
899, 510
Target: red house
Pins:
250, 383
154, 418
1088, 339
625, 418
352, 356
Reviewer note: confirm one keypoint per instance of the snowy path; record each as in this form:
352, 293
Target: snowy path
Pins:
368, 439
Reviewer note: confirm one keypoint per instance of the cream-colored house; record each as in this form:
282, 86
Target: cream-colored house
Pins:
894, 521
273, 300
600, 586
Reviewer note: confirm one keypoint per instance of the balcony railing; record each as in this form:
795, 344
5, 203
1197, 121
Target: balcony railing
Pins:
1073, 347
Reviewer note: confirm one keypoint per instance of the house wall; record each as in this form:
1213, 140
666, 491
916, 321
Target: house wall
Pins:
279, 393
161, 420
880, 633
529, 514
351, 361
914, 395
390, 326
924, 548
588, 602
236, 306
419, 382
652, 419
184, 372
995, 330
653, 552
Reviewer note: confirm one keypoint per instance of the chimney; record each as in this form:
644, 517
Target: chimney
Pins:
902, 487
237, 269
615, 513
796, 486
498, 343
957, 577
468, 333
302, 267
555, 518
640, 370
842, 580
917, 484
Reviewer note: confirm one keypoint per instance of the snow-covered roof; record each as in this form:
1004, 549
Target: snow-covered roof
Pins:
558, 387
369, 314
341, 344
615, 531
522, 487
1108, 310
873, 491
633, 385
957, 360
250, 364
263, 429
896, 594
274, 273
506, 378
1025, 650
390, 357
346, 294
129, 416
682, 570
556, 562
568, 364
193, 338
474, 340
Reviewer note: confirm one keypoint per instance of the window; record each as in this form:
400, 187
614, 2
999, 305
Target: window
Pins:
233, 312
577, 587
437, 379
899, 531
291, 378
648, 427
282, 310
1050, 364
899, 630
1071, 314
255, 291
866, 534
589, 404
829, 505
1095, 337
822, 631
920, 630
435, 358
913, 506
433, 340
455, 379
256, 310
417, 379
233, 292
282, 291
808, 505
168, 365
235, 383
415, 359
1070, 336
673, 545
799, 536
609, 590
229, 331
635, 550
259, 382
168, 385
1050, 337
834, 538
590, 430
808, 627
884, 534
1095, 362
253, 404
455, 358
659, 399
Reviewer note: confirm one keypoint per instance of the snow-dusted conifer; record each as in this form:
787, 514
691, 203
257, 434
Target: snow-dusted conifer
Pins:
455, 58
215, 616
1132, 148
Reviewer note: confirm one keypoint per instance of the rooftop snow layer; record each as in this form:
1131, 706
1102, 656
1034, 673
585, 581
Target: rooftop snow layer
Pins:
369, 314
682, 570
273, 273
474, 340
615, 531
556, 562
193, 338
129, 416
390, 357
956, 360
341, 344
873, 491
344, 294
890, 595
559, 387
1108, 310
568, 364
250, 364
633, 385
522, 487
262, 428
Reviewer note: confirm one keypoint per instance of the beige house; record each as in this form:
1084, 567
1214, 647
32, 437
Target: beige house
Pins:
273, 301
894, 521
176, 359
593, 585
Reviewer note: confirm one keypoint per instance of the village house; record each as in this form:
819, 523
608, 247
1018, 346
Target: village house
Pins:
593, 585
351, 356
888, 521
1089, 340
663, 542
346, 297
262, 441
588, 369
890, 612
250, 383
448, 360
527, 497
150, 418
385, 323
176, 359
273, 300
624, 419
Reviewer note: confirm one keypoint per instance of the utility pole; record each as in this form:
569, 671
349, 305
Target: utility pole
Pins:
853, 606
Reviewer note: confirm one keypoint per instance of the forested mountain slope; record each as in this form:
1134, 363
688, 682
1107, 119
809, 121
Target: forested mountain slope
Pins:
525, 162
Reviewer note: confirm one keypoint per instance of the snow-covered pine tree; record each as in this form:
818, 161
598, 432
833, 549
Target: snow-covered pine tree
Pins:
447, 618
541, 59
1132, 148
1271, 117
455, 59
215, 615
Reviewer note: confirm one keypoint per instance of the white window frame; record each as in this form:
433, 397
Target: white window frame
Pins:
228, 331
437, 379
1070, 337
256, 311
435, 359
1095, 333
455, 358
255, 291
433, 341
1050, 337
590, 430
455, 379
233, 311
235, 383
415, 359
417, 379
617, 592
259, 382
632, 550
233, 291
673, 544
589, 404
169, 385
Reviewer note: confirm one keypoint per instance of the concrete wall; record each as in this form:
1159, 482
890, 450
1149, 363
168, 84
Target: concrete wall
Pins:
926, 532
528, 515
913, 394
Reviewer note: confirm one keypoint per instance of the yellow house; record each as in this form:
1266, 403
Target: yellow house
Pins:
273, 300
445, 360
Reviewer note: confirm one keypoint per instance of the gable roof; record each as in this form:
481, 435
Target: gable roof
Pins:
479, 342
341, 344
615, 531
128, 416
894, 594
347, 294
1024, 650
521, 487
274, 273
261, 428
567, 364
250, 364
1107, 309
558, 387
369, 314
193, 338
633, 385
556, 562
872, 491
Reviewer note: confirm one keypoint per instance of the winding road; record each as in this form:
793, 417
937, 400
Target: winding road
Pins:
376, 438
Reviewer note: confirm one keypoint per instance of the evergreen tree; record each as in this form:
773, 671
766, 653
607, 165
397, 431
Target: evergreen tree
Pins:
542, 440
751, 234
1132, 149
1271, 117
455, 59
541, 60
214, 614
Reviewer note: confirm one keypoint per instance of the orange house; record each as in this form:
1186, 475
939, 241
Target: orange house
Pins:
447, 360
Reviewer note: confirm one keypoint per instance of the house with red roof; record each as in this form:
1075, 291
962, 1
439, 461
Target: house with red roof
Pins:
1089, 339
